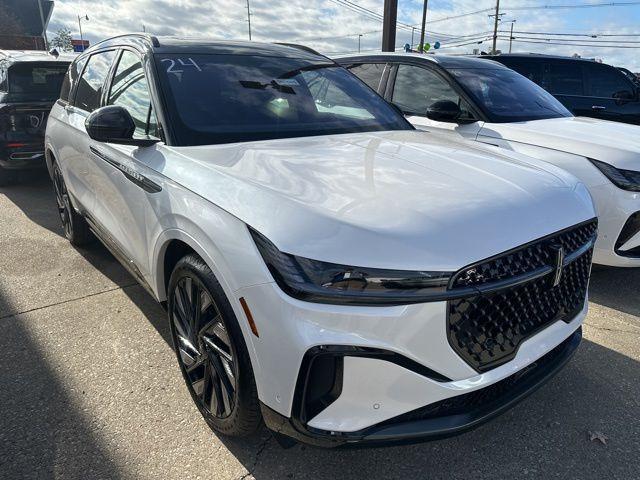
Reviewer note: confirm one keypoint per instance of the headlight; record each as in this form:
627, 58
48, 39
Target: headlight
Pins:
625, 179
323, 282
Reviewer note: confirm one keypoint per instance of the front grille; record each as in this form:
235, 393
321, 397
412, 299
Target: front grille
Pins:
486, 397
487, 326
524, 259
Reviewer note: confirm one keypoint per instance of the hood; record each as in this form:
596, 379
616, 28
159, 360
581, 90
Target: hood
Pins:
404, 200
615, 143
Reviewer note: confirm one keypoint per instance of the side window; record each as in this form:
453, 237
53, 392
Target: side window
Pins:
329, 97
417, 88
606, 82
89, 91
71, 78
564, 78
369, 73
131, 91
532, 70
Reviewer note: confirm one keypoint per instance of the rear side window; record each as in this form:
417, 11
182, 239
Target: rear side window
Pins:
564, 78
92, 82
369, 73
37, 80
606, 82
417, 88
531, 70
131, 91
71, 78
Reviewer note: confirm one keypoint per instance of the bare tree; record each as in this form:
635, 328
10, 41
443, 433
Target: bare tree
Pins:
62, 40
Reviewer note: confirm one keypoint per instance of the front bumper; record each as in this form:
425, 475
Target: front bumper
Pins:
426, 370
443, 419
616, 209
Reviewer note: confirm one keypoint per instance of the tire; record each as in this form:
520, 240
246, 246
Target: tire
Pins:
76, 229
7, 177
211, 350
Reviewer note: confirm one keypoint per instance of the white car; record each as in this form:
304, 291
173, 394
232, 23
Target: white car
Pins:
324, 265
482, 100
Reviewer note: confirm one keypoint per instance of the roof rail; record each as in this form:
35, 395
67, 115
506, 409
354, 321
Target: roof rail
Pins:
146, 36
304, 48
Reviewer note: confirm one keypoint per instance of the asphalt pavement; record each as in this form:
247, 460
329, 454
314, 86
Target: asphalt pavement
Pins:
90, 388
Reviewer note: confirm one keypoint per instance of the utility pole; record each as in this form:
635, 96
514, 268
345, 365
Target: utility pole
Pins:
413, 30
511, 34
424, 22
389, 25
359, 37
495, 26
249, 18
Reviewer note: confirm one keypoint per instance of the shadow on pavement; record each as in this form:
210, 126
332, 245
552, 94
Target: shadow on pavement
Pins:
43, 435
617, 288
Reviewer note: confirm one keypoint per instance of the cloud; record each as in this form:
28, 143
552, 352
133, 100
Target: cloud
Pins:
329, 26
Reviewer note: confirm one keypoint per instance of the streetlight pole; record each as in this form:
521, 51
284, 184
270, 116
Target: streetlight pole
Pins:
424, 22
359, 36
86, 17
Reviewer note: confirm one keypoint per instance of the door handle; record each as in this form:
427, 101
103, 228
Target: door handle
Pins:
598, 107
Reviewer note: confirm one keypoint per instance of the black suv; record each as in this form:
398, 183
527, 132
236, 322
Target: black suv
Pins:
30, 83
587, 88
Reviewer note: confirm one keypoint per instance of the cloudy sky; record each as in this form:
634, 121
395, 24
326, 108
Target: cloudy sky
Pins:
332, 26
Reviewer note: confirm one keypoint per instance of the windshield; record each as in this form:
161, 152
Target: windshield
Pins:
235, 98
36, 81
507, 96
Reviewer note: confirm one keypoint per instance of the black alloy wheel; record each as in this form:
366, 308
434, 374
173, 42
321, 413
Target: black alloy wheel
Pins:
62, 199
204, 347
210, 349
76, 229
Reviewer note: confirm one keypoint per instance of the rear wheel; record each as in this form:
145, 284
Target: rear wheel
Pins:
211, 350
76, 229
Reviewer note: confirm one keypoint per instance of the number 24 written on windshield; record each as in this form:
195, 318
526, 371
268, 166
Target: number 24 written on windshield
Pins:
183, 62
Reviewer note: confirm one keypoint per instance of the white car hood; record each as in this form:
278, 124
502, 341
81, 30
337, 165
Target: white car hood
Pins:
405, 200
615, 143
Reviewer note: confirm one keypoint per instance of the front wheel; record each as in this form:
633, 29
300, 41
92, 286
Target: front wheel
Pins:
211, 350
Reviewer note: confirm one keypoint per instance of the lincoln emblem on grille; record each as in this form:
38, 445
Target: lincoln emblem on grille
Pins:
558, 264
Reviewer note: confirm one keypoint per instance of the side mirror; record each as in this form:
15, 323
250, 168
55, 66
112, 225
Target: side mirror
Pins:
444, 111
114, 124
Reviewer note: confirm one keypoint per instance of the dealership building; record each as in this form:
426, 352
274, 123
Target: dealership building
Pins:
23, 24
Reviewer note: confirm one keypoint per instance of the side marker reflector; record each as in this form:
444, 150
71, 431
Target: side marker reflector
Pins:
247, 312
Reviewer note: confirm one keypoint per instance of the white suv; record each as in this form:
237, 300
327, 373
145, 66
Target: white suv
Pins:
324, 266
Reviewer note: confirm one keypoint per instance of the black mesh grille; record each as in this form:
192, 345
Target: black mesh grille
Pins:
486, 329
524, 259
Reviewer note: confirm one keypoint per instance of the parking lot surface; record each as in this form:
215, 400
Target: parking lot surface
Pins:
90, 388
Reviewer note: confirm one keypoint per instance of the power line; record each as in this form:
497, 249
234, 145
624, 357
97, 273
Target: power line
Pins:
574, 44
574, 40
593, 35
579, 5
